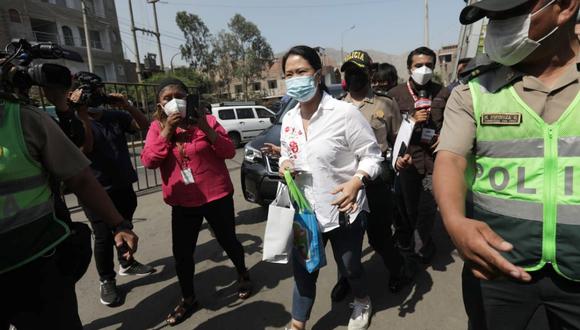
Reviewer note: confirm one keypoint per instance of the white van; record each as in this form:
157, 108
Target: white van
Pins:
242, 122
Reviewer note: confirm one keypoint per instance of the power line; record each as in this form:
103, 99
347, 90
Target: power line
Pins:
327, 5
150, 40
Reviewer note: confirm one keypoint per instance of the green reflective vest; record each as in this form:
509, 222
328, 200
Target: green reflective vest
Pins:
526, 183
28, 228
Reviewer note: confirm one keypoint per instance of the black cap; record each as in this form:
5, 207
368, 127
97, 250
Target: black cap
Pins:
167, 82
479, 10
359, 58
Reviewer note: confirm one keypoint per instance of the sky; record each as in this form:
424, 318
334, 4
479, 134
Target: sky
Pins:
390, 26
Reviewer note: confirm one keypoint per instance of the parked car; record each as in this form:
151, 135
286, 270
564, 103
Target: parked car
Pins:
243, 122
259, 172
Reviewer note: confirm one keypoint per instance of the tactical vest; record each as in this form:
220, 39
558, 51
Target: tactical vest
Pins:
28, 228
526, 184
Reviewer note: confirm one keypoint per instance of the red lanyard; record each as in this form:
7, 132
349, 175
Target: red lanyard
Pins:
415, 98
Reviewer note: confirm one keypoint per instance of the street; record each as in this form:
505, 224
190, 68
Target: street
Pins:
434, 302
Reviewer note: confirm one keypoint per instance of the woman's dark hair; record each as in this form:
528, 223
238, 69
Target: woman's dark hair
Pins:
169, 82
421, 51
310, 55
386, 72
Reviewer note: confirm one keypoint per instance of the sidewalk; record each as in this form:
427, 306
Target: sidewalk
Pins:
434, 302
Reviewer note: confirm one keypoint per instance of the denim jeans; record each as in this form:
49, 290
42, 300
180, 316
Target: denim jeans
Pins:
346, 245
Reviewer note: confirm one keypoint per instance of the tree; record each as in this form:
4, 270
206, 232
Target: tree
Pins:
224, 53
198, 39
250, 52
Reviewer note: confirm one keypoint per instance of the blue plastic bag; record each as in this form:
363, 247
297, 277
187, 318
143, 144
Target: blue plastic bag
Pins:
307, 237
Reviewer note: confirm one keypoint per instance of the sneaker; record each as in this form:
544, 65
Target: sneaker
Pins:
360, 317
137, 269
109, 293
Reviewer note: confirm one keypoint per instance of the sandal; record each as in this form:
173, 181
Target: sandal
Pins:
181, 312
245, 289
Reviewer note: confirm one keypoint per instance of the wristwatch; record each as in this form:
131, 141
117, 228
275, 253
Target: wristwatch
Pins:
362, 178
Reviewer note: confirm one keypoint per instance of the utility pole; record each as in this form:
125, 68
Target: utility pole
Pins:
426, 23
157, 34
137, 59
342, 43
87, 35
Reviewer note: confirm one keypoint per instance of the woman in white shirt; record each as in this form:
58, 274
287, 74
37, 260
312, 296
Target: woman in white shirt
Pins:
332, 151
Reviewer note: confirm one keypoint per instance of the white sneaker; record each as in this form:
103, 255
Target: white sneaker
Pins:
361, 315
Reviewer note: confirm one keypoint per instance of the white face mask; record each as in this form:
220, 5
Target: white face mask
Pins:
422, 75
175, 105
507, 41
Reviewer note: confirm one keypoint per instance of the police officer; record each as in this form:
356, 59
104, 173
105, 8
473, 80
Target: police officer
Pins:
36, 292
513, 129
385, 118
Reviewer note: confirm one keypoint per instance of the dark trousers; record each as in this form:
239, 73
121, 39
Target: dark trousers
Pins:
379, 226
125, 200
347, 249
185, 225
421, 210
38, 295
506, 304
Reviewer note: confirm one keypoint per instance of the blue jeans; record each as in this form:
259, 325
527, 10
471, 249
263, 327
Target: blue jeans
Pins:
346, 245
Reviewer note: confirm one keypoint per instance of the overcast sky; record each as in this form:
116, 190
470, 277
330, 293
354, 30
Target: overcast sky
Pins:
391, 26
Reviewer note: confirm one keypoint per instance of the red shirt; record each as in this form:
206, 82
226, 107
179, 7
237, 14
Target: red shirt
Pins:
194, 151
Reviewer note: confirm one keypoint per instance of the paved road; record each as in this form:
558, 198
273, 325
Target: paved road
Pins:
434, 302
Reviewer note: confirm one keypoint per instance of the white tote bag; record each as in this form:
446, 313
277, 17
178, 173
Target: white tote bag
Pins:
278, 235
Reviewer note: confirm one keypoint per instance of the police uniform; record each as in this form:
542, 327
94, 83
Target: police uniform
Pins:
36, 292
521, 140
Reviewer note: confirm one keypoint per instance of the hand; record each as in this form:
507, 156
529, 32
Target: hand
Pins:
119, 101
403, 162
202, 120
271, 149
171, 124
57, 96
286, 165
421, 116
346, 201
480, 247
127, 236
75, 96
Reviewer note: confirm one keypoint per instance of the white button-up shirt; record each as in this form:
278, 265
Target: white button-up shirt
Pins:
339, 142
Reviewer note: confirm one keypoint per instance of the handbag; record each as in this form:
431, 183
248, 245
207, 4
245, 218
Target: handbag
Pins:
278, 234
307, 237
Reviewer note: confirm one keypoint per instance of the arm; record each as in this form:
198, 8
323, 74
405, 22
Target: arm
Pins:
83, 115
157, 147
218, 137
139, 121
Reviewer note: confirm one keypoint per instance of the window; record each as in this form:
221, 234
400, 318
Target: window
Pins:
263, 113
272, 84
257, 86
14, 16
238, 89
101, 71
83, 39
96, 39
227, 114
245, 113
68, 36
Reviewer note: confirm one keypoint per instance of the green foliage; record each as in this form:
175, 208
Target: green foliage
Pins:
197, 47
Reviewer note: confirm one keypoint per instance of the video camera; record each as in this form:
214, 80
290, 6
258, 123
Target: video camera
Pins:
18, 74
92, 90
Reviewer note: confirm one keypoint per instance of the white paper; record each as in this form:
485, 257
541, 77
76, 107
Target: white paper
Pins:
403, 137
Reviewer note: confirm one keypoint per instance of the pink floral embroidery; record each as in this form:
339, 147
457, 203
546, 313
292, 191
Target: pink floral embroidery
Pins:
299, 132
294, 147
287, 129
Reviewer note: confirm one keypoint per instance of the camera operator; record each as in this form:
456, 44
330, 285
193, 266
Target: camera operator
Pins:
106, 147
34, 152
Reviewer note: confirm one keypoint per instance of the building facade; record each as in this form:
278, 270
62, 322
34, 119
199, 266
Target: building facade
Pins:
61, 21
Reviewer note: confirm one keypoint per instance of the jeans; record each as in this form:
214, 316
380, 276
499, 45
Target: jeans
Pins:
421, 210
508, 304
38, 295
346, 245
125, 200
185, 225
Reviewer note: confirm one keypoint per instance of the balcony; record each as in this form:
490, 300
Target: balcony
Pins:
41, 36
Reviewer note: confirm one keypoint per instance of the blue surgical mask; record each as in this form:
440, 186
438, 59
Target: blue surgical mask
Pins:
301, 88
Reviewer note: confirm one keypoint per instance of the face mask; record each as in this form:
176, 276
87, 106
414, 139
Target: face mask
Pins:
422, 75
507, 41
175, 105
356, 81
302, 89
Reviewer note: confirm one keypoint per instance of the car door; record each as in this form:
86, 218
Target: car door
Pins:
264, 116
248, 122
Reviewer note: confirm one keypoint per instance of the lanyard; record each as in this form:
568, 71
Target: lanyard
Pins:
415, 98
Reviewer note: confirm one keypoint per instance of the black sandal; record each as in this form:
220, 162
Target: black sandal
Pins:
181, 312
245, 286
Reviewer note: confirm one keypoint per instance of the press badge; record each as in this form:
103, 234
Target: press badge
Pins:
187, 176
501, 119
427, 135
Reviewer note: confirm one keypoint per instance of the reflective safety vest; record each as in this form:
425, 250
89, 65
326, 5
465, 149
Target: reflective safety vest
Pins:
28, 228
526, 183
